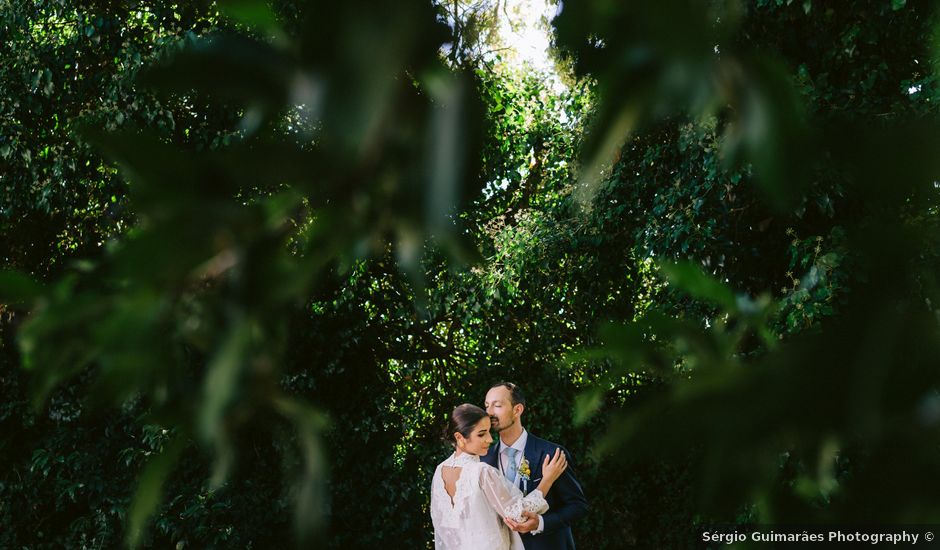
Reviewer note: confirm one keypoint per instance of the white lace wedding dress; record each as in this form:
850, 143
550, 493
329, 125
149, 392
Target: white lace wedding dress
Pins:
473, 520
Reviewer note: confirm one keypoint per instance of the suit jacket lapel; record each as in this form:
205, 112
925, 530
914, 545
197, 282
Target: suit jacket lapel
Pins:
492, 458
531, 454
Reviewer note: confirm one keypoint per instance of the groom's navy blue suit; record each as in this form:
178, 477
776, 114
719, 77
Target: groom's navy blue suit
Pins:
566, 502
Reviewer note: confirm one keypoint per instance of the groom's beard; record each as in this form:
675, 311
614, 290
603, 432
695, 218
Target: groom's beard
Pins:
500, 427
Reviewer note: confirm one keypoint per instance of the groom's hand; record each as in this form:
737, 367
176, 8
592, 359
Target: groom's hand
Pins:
531, 523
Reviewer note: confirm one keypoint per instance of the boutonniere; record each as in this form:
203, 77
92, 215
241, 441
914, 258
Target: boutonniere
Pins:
524, 470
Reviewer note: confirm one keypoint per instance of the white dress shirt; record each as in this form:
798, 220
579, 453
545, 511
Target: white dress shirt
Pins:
518, 445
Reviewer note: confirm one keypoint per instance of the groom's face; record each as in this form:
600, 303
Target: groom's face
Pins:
499, 407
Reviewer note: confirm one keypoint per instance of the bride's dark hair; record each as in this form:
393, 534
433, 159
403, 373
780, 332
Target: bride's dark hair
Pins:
462, 421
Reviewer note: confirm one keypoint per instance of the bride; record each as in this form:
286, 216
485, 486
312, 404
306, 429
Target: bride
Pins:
469, 498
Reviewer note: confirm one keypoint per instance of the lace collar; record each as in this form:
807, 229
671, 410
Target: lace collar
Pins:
464, 459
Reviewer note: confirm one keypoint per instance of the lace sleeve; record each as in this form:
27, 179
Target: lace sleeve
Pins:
506, 498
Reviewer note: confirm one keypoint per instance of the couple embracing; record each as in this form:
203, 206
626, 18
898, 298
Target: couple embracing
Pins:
512, 494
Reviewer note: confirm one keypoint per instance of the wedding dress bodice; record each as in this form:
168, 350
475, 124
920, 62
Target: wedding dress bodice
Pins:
483, 496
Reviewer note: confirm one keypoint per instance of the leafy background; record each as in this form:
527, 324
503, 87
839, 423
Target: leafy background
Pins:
254, 253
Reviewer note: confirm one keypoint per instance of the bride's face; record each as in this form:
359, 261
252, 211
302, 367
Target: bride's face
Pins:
479, 440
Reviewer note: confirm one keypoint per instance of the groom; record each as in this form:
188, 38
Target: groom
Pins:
519, 456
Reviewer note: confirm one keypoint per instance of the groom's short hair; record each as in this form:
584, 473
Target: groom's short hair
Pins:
516, 397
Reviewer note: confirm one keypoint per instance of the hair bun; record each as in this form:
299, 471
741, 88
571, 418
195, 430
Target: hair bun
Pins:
462, 420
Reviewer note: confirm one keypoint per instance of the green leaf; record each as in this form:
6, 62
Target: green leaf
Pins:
587, 404
312, 495
17, 289
698, 284
771, 132
898, 4
253, 13
66, 320
149, 493
230, 67
221, 385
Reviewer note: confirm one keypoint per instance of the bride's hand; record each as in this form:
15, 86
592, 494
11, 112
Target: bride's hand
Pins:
552, 469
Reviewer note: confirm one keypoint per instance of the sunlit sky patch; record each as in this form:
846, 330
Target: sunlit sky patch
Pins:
524, 29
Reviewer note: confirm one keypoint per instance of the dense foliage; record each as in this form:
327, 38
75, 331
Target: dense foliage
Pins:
254, 252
